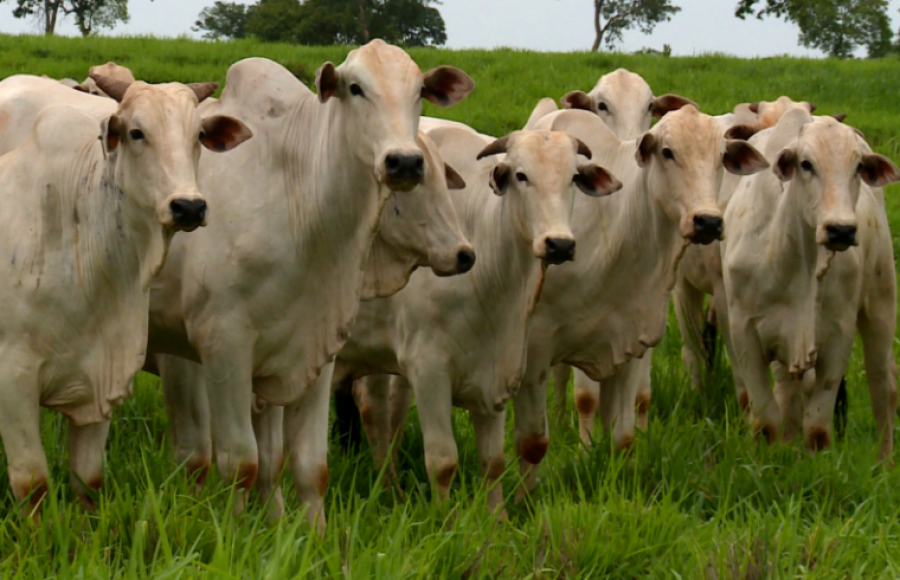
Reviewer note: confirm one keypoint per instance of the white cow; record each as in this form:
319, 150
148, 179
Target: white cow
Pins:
604, 311
92, 209
265, 299
808, 261
418, 228
462, 341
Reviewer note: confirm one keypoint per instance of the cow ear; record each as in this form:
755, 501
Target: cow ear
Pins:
878, 170
740, 132
840, 117
812, 107
754, 107
326, 81
645, 149
111, 133
500, 178
668, 103
596, 181
223, 133
785, 164
742, 158
454, 179
82, 89
577, 100
446, 85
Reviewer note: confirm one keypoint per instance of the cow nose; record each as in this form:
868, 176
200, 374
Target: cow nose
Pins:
405, 167
465, 259
559, 250
840, 237
188, 213
707, 229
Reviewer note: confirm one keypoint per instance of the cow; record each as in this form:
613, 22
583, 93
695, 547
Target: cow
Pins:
461, 341
418, 228
602, 312
109, 70
265, 297
93, 208
808, 261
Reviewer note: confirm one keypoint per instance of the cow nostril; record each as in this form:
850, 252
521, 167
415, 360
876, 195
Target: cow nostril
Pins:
841, 235
392, 163
188, 212
465, 259
559, 250
420, 165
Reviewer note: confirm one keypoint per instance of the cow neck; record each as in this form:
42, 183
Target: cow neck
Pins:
507, 266
119, 242
388, 268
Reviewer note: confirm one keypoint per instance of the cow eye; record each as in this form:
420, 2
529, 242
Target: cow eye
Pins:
522, 177
202, 135
806, 166
602, 107
650, 107
667, 153
136, 135
356, 90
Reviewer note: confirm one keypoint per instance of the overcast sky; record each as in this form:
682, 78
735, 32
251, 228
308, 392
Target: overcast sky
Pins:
547, 25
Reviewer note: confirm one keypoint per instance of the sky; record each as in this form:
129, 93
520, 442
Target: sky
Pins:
546, 25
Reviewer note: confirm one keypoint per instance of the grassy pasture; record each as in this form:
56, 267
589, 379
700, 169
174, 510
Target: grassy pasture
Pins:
696, 498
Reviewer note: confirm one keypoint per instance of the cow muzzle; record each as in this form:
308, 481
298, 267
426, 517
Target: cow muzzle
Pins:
188, 214
707, 228
402, 171
453, 263
839, 237
558, 250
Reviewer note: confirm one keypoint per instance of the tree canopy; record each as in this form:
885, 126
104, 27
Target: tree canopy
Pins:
836, 27
613, 17
322, 22
89, 15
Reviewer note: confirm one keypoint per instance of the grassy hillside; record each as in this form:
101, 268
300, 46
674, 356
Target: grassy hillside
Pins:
696, 498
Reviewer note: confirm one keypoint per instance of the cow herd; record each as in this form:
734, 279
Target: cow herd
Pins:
318, 209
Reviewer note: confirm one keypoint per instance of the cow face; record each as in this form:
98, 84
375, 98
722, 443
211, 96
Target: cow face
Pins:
423, 223
541, 173
683, 158
156, 134
825, 166
624, 101
380, 90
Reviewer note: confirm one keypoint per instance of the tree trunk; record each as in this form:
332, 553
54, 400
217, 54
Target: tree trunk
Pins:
598, 31
51, 11
363, 21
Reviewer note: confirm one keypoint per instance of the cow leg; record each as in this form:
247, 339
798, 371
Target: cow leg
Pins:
372, 395
689, 312
723, 322
819, 407
561, 374
306, 434
86, 446
532, 435
401, 401
433, 394
753, 368
617, 403
268, 426
346, 427
789, 393
230, 394
489, 437
187, 407
20, 428
642, 400
877, 331
587, 401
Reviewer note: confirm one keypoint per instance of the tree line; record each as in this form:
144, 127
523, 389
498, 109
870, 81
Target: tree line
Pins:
836, 27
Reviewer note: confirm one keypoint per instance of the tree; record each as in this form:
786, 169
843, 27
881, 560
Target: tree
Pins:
89, 14
223, 20
621, 15
836, 27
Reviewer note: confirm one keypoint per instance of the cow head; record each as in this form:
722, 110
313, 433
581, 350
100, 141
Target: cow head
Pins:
541, 173
379, 90
624, 101
683, 159
156, 134
424, 224
109, 70
768, 113
824, 167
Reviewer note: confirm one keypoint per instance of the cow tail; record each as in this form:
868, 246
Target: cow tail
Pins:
840, 410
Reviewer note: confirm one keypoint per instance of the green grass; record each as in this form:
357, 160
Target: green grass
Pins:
696, 498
